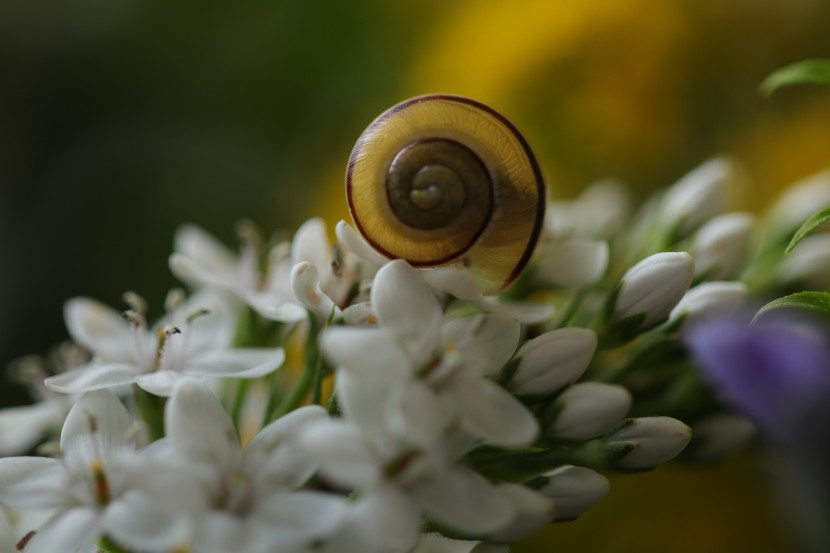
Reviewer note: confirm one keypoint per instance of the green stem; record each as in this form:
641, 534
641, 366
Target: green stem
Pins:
313, 366
242, 386
572, 307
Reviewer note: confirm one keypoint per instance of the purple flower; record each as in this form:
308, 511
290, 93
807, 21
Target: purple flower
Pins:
777, 374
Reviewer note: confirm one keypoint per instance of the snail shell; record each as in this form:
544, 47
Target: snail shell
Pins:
443, 179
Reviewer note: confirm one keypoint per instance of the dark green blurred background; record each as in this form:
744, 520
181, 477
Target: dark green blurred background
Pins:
122, 119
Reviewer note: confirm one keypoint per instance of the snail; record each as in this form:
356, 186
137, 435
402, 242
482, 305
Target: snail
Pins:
443, 179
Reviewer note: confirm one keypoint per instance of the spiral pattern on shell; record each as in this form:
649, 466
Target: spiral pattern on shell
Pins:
445, 179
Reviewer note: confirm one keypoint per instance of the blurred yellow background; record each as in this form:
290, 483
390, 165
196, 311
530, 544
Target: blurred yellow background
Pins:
121, 119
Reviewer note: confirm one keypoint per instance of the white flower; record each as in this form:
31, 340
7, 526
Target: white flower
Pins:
453, 279
808, 263
553, 360
192, 341
698, 195
412, 360
253, 497
588, 410
800, 200
708, 299
21, 428
200, 260
653, 440
399, 482
574, 490
653, 287
721, 245
600, 211
100, 486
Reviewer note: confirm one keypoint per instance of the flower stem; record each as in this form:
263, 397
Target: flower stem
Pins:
311, 372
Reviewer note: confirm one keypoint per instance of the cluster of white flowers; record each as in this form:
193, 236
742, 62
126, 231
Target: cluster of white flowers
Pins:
411, 412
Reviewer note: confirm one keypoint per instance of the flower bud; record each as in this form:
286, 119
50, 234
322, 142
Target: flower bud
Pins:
809, 263
720, 436
721, 245
532, 511
588, 410
572, 263
553, 360
599, 212
650, 441
604, 208
698, 195
710, 299
800, 201
654, 286
574, 490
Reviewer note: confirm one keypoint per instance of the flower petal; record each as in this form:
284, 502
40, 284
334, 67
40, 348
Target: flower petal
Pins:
276, 307
525, 312
454, 280
74, 531
486, 342
303, 517
353, 241
99, 329
389, 517
93, 376
343, 454
406, 306
33, 482
142, 524
213, 330
199, 426
487, 410
236, 363
363, 400
366, 351
311, 244
305, 281
416, 414
464, 501
21, 428
206, 254
161, 383
272, 458
102, 415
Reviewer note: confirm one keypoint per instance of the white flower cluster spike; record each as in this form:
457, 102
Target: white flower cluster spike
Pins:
411, 414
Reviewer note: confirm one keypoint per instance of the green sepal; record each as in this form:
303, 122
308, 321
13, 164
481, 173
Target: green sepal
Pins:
802, 72
622, 331
515, 465
811, 224
810, 301
508, 372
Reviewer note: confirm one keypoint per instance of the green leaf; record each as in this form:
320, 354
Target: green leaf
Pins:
802, 72
811, 301
815, 221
